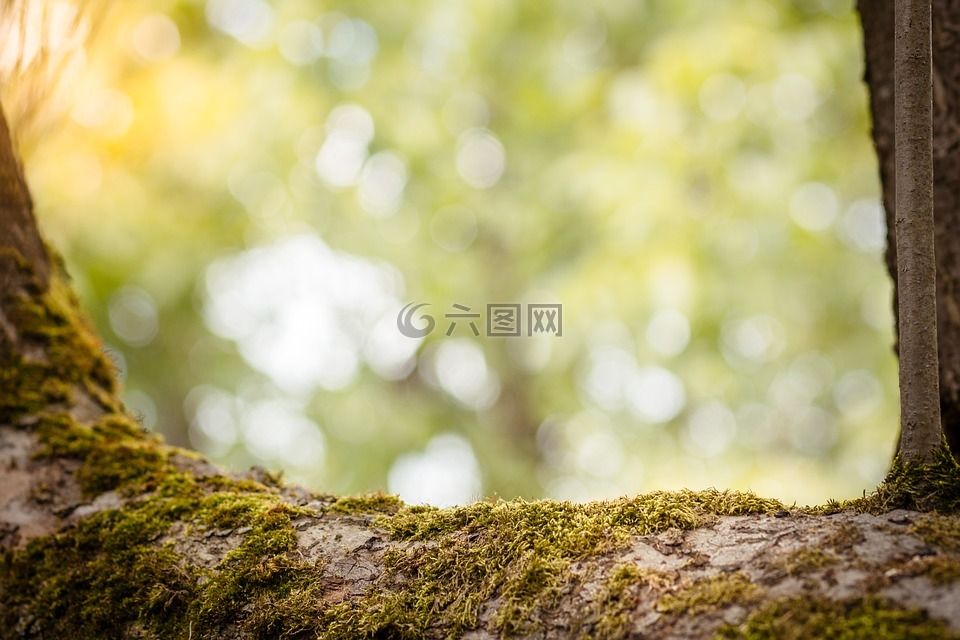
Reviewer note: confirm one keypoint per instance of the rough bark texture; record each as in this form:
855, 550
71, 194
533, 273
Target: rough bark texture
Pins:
878, 29
920, 432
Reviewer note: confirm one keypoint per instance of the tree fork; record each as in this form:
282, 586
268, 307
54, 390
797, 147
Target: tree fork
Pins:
920, 429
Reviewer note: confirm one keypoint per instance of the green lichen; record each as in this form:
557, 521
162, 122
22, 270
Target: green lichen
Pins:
811, 618
708, 594
808, 560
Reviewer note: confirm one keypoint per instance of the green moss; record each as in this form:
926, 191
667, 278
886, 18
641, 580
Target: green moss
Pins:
843, 537
711, 593
96, 579
57, 354
66, 354
611, 612
295, 612
113, 572
110, 572
940, 530
941, 570
264, 568
809, 618
931, 486
234, 484
644, 514
808, 560
116, 453
515, 553
520, 552
367, 503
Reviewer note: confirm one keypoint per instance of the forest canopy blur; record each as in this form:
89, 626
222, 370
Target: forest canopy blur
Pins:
247, 193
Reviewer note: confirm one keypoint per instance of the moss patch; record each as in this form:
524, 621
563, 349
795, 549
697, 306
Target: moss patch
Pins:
940, 530
942, 570
932, 486
65, 352
262, 571
711, 593
843, 537
809, 618
109, 572
611, 611
809, 560
367, 503
115, 452
520, 552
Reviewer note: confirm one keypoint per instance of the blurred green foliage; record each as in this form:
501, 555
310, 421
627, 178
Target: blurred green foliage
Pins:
247, 193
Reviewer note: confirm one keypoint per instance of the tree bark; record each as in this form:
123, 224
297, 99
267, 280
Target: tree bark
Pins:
20, 231
920, 432
878, 18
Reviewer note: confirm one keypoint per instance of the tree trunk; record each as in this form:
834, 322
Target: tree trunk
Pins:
878, 29
20, 232
920, 432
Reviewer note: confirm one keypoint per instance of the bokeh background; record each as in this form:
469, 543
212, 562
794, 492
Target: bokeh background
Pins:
247, 193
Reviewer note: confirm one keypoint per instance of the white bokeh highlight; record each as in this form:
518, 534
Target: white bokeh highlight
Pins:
307, 316
445, 474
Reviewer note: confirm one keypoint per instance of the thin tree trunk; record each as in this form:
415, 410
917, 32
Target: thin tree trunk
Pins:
920, 433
